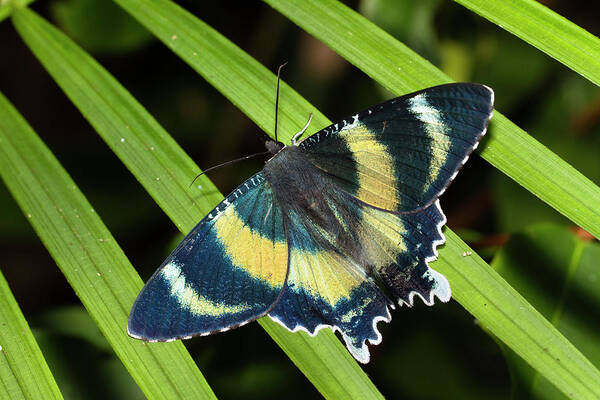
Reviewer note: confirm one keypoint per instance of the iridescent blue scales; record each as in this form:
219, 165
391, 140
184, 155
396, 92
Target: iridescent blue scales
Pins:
332, 233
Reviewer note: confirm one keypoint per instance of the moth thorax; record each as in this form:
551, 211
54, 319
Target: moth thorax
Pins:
293, 178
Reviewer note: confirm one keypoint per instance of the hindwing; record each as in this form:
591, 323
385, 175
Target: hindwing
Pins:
349, 262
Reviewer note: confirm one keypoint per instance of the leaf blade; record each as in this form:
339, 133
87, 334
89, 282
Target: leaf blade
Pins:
560, 281
562, 40
165, 170
399, 69
86, 252
24, 372
506, 314
254, 109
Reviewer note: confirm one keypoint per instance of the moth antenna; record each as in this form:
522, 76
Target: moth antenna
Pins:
297, 135
255, 154
277, 96
227, 163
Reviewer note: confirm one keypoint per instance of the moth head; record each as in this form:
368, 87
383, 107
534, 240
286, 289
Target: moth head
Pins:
274, 147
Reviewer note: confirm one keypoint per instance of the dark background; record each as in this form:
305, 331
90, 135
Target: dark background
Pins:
426, 352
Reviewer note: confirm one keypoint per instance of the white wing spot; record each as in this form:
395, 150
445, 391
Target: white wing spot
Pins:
351, 125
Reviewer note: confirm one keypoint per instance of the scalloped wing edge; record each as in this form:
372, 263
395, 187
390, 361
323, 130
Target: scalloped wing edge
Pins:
442, 291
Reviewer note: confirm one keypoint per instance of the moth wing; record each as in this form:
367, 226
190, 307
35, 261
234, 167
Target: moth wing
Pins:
400, 247
327, 289
345, 277
229, 270
402, 154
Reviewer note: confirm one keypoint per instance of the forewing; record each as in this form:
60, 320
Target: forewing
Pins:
349, 262
229, 270
401, 155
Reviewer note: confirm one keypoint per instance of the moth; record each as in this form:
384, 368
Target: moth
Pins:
336, 230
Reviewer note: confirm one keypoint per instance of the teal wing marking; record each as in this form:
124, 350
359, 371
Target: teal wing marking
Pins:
229, 270
349, 262
332, 233
401, 155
